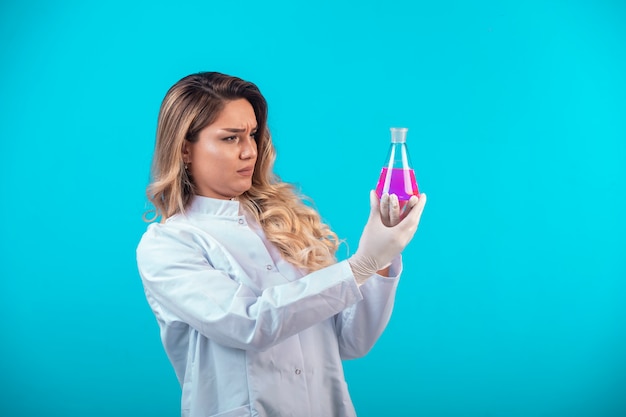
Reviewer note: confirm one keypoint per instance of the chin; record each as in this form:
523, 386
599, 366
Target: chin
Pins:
238, 193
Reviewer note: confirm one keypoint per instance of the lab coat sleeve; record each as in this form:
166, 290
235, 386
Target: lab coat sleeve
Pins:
182, 287
360, 326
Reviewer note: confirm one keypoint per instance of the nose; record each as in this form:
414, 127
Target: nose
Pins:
248, 148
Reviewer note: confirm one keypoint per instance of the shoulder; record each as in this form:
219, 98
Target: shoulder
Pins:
172, 229
176, 232
181, 238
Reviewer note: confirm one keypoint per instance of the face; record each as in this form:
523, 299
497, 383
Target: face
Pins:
221, 161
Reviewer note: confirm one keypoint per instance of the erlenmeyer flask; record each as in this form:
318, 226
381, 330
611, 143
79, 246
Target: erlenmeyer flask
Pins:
397, 176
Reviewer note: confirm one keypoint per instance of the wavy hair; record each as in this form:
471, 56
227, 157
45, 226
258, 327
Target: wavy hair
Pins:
189, 106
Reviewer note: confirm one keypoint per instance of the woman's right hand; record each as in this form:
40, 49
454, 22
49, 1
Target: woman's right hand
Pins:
386, 234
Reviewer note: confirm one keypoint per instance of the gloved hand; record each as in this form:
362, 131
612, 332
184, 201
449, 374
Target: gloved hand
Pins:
379, 243
390, 210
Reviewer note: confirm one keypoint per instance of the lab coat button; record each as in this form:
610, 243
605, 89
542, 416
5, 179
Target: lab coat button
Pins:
269, 267
298, 371
240, 221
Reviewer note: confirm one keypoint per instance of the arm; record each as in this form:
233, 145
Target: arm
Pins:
386, 234
182, 286
360, 326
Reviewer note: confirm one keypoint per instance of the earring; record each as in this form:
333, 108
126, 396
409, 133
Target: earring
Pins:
186, 166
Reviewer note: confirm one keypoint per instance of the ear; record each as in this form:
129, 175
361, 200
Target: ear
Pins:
186, 152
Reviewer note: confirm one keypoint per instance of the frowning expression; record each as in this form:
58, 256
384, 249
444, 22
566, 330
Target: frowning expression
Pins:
221, 162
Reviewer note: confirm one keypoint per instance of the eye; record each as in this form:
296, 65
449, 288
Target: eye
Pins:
254, 134
230, 139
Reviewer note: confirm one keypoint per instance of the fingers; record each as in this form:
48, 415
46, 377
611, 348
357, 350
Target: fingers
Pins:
394, 210
422, 200
389, 209
412, 202
413, 210
384, 209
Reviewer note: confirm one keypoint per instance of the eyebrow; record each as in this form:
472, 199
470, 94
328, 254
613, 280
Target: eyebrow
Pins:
236, 130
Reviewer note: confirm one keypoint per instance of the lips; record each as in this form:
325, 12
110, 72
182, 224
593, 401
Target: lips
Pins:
248, 171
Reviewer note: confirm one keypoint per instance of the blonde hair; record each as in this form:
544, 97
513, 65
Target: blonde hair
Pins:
195, 102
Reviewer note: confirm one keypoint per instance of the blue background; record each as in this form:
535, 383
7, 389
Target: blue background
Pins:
514, 298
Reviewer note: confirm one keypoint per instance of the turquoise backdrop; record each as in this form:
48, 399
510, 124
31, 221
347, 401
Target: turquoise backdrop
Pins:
513, 301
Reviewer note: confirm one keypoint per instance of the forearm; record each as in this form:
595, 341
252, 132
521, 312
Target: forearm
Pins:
360, 326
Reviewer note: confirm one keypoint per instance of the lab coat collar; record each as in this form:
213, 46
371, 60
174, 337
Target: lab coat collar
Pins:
213, 206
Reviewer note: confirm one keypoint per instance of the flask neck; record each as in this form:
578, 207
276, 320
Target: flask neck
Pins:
398, 157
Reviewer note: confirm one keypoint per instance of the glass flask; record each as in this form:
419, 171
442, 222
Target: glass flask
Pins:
397, 176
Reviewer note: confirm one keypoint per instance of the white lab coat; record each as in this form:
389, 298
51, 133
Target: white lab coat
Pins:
249, 334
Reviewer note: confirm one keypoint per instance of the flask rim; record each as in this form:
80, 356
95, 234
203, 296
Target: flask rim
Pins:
398, 134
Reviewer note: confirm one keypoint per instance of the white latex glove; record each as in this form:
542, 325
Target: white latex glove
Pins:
379, 243
389, 210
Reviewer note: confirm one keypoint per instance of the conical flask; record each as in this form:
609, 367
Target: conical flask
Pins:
397, 176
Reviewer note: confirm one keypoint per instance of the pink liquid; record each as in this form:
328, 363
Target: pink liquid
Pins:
400, 182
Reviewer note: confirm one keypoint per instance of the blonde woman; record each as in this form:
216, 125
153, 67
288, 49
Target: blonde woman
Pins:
255, 311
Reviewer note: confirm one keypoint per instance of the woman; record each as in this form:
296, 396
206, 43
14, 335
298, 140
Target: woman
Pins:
255, 312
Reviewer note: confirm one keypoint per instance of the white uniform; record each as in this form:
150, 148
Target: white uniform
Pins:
248, 333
